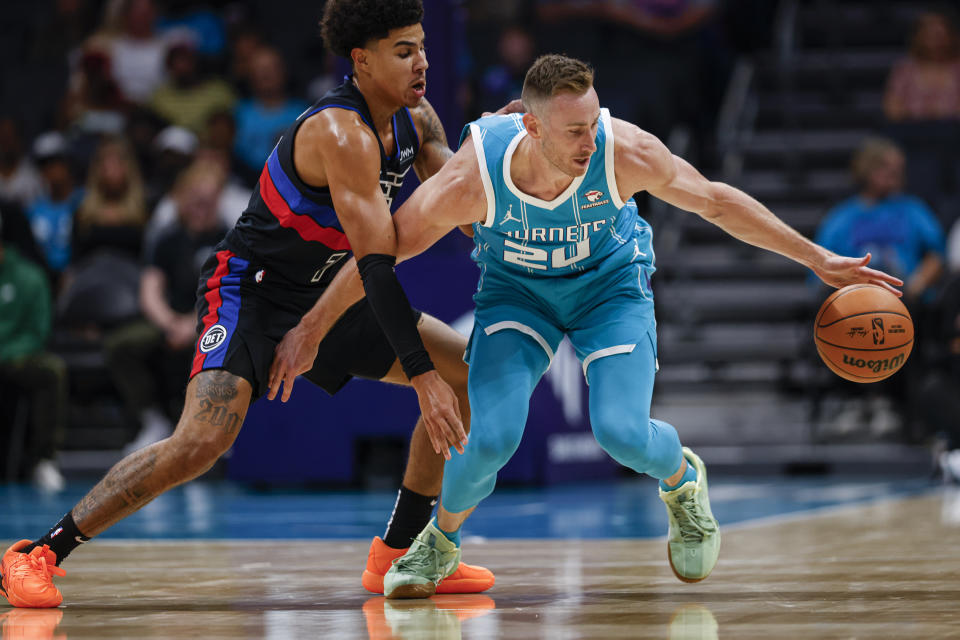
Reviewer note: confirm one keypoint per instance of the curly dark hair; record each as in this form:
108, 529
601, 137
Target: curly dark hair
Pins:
348, 24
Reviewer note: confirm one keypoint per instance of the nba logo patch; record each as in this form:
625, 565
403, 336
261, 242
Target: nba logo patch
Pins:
213, 338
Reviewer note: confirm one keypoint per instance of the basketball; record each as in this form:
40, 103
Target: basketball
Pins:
863, 333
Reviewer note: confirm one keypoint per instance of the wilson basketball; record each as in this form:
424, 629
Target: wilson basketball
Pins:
863, 333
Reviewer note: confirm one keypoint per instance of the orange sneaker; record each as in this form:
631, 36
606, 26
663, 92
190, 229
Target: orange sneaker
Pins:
466, 579
26, 579
31, 624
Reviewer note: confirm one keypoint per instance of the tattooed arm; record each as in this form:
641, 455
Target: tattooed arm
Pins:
434, 148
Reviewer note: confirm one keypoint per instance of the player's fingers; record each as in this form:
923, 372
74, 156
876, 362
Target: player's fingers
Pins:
274, 380
437, 438
882, 283
287, 386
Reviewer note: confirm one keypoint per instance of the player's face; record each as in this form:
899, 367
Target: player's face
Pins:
398, 64
569, 129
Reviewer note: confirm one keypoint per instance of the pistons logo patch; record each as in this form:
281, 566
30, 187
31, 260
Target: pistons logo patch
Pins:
213, 338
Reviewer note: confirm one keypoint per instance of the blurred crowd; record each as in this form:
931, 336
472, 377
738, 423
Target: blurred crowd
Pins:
147, 123
906, 214
146, 126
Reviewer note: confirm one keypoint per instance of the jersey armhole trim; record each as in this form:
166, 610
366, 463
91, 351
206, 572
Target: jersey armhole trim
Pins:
414, 127
476, 135
608, 150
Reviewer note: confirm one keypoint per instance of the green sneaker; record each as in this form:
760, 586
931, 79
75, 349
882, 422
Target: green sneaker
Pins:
693, 543
430, 559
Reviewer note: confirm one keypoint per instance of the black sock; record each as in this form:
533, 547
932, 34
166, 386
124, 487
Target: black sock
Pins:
63, 538
411, 513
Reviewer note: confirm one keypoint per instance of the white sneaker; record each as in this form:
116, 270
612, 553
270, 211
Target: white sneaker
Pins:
156, 427
47, 477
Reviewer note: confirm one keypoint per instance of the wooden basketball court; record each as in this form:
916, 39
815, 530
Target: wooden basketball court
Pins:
887, 569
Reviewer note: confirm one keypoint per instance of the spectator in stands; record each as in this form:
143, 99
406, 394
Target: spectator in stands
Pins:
263, 117
188, 98
137, 51
899, 230
113, 212
19, 179
502, 81
51, 215
232, 199
905, 239
26, 368
94, 104
652, 53
173, 150
148, 359
925, 84
16, 232
245, 41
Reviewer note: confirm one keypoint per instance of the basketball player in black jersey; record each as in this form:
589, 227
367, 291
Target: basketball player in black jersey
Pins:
323, 195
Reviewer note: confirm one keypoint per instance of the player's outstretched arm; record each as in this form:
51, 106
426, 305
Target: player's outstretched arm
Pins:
644, 163
453, 197
336, 148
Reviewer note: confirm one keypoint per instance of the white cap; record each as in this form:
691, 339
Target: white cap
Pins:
178, 139
49, 145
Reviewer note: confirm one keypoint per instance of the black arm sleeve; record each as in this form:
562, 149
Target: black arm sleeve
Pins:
392, 309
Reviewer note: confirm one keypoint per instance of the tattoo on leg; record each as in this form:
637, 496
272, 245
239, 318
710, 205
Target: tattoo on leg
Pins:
214, 395
219, 386
129, 485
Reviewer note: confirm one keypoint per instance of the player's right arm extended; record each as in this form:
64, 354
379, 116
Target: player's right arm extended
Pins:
452, 197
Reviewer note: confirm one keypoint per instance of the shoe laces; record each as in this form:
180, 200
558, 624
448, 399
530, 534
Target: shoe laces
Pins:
692, 520
426, 561
36, 562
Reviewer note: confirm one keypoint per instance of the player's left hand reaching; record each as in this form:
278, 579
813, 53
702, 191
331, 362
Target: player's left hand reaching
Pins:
440, 410
840, 271
294, 355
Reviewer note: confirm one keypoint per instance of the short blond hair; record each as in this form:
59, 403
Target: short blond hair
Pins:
870, 155
552, 74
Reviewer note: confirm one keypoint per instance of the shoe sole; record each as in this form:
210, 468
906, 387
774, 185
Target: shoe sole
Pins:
677, 573
408, 591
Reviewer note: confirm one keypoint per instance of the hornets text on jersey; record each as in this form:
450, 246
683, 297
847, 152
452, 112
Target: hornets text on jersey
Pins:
586, 225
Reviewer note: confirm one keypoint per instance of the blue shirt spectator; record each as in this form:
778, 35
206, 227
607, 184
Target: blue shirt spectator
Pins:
263, 117
899, 231
52, 224
260, 126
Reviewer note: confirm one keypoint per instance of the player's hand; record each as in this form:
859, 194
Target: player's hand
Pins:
182, 333
441, 413
839, 271
514, 106
294, 355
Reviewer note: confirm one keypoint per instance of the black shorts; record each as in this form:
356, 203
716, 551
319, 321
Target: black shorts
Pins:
243, 313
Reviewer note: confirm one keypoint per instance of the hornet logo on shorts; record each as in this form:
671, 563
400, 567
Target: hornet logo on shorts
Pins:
594, 199
213, 338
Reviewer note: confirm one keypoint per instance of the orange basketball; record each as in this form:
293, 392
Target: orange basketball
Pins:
863, 333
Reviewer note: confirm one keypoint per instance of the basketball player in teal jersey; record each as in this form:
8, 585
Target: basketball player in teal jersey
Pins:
562, 251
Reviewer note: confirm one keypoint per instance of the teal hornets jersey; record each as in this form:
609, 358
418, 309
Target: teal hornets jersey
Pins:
583, 229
